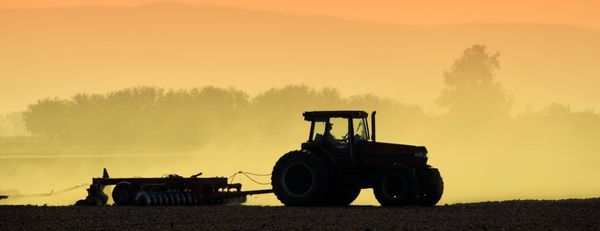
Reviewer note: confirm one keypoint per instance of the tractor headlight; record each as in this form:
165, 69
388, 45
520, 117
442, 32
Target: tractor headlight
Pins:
420, 154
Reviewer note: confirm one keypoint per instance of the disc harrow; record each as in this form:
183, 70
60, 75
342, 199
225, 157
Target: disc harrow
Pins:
173, 190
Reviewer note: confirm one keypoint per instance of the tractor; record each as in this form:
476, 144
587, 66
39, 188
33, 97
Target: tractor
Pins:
341, 157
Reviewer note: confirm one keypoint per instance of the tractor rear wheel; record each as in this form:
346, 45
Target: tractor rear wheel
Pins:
342, 197
396, 186
124, 193
300, 178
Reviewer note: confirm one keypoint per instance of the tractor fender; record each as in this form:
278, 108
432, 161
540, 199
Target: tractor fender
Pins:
372, 174
323, 155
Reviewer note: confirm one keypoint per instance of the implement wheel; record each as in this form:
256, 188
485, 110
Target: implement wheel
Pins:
124, 193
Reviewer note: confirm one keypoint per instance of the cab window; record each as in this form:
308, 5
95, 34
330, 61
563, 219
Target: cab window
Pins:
333, 132
360, 129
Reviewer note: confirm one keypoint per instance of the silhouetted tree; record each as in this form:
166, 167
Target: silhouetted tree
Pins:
471, 89
48, 117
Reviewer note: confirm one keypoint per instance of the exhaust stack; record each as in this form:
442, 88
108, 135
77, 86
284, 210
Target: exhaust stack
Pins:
373, 125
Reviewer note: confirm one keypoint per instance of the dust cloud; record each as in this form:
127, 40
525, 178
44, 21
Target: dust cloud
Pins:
484, 151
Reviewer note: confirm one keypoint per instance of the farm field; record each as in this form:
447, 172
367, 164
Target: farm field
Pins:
580, 214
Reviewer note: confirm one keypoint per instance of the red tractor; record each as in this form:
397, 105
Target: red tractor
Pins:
341, 157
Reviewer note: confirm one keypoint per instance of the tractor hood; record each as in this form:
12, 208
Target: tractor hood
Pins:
392, 150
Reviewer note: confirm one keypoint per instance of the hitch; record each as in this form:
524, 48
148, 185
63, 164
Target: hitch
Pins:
96, 195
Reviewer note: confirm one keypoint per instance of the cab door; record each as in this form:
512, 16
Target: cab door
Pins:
334, 136
360, 135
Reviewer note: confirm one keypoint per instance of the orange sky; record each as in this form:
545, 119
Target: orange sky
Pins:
574, 12
97, 49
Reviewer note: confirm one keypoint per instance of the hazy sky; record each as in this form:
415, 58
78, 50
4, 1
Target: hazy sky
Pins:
575, 12
61, 52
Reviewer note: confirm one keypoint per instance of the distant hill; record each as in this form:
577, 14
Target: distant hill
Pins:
61, 51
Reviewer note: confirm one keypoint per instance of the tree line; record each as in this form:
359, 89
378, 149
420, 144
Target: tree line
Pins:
151, 115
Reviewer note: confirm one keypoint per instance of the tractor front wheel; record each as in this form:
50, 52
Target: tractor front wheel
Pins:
432, 187
396, 186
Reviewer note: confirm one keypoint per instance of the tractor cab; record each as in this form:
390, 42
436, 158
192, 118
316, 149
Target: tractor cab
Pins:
345, 137
337, 131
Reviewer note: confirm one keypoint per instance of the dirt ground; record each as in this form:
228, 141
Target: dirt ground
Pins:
508, 215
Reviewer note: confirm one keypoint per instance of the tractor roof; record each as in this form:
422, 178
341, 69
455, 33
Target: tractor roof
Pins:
313, 115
